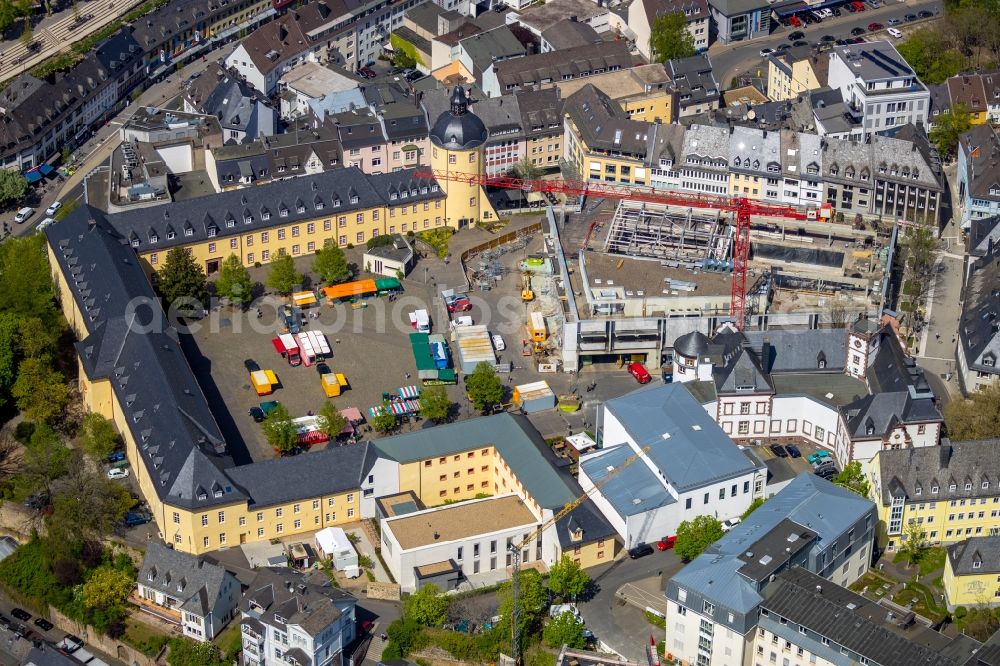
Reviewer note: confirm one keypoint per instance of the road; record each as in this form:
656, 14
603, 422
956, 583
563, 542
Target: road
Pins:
622, 627
58, 33
728, 60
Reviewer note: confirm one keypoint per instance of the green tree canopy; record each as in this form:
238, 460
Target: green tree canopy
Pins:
46, 459
434, 404
428, 606
40, 392
186, 652
8, 357
26, 281
12, 182
534, 600
234, 283
484, 386
98, 438
853, 478
914, 542
933, 60
948, 127
526, 169
107, 587
281, 274
670, 39
564, 629
567, 579
181, 277
694, 536
86, 505
975, 417
35, 339
385, 422
280, 431
331, 421
331, 265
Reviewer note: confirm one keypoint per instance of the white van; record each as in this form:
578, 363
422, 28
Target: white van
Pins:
894, 32
24, 214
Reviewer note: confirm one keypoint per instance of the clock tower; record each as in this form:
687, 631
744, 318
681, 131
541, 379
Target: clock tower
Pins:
862, 344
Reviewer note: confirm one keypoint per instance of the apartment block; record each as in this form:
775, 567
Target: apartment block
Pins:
972, 572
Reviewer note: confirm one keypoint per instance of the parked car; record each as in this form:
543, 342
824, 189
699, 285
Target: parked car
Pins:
798, 34
117, 456
21, 614
118, 473
925, 14
70, 643
875, 27
666, 543
23, 214
53, 209
895, 33
857, 31
134, 519
251, 365
850, 7
461, 304
818, 456
638, 370
874, 4
764, 52
827, 38
910, 17
47, 222
778, 450
793, 451
794, 20
730, 524
43, 624
642, 550
498, 343
894, 21
801, 42
257, 414
367, 72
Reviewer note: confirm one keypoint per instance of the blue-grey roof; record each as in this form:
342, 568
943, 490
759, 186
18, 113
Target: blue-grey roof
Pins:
802, 349
814, 503
196, 582
634, 490
514, 438
697, 451
337, 102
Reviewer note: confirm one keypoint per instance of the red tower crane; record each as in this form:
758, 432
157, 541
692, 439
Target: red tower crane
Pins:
742, 207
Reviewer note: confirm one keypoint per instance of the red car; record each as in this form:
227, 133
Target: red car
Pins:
460, 305
795, 20
666, 543
638, 370
875, 27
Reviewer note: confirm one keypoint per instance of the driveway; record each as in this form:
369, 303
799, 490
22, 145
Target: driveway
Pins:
620, 625
364, 546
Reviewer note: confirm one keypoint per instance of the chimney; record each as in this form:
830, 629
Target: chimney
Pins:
765, 354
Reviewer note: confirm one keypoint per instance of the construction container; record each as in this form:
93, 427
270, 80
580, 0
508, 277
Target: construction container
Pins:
263, 381
536, 327
473, 347
534, 397
304, 299
333, 384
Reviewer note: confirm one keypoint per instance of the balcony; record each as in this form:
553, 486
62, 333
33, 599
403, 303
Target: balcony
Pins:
171, 615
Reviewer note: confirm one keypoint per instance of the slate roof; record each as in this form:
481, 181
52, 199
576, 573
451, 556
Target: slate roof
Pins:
975, 556
979, 328
514, 438
224, 214
694, 10
231, 99
878, 414
794, 350
567, 34
696, 453
46, 655
982, 162
633, 490
914, 472
588, 519
984, 232
327, 472
195, 582
178, 438
810, 502
845, 618
554, 66
691, 345
489, 46
693, 77
541, 112
308, 601
603, 125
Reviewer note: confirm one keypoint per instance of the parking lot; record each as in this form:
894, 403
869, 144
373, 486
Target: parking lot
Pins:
371, 347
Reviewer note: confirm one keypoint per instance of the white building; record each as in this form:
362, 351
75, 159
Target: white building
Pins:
390, 260
687, 465
713, 603
187, 591
874, 79
449, 544
643, 13
332, 544
291, 618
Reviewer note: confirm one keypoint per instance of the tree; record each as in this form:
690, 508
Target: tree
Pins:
948, 127
975, 417
980, 622
280, 431
98, 438
694, 536
234, 283
564, 629
8, 359
404, 59
853, 478
26, 280
13, 185
186, 652
914, 541
281, 274
181, 277
670, 39
331, 421
46, 459
754, 505
434, 404
567, 579
526, 169
484, 386
86, 505
534, 598
35, 339
331, 265
931, 56
405, 635
384, 422
39, 391
107, 587
428, 606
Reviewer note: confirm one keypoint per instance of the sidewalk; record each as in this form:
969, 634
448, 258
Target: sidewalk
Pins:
365, 547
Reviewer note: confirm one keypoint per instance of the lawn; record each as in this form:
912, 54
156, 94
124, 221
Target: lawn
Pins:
144, 638
438, 239
921, 600
875, 585
930, 560
230, 641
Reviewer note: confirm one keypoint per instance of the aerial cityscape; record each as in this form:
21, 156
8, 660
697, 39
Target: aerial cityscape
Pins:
499, 332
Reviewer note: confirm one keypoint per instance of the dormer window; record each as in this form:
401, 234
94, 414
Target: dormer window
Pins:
211, 232
202, 496
934, 490
968, 486
230, 223
393, 196
218, 493
834, 170
171, 235
985, 485
266, 215
154, 238
918, 490
150, 575
319, 205
952, 488
354, 199
135, 242
248, 219
977, 564
300, 208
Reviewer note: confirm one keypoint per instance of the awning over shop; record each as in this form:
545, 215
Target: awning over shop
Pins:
46, 169
33, 176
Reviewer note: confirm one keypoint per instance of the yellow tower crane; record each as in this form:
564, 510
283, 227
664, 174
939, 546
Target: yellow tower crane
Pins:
515, 549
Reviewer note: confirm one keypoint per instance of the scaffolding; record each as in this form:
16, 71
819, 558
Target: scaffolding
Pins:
640, 229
